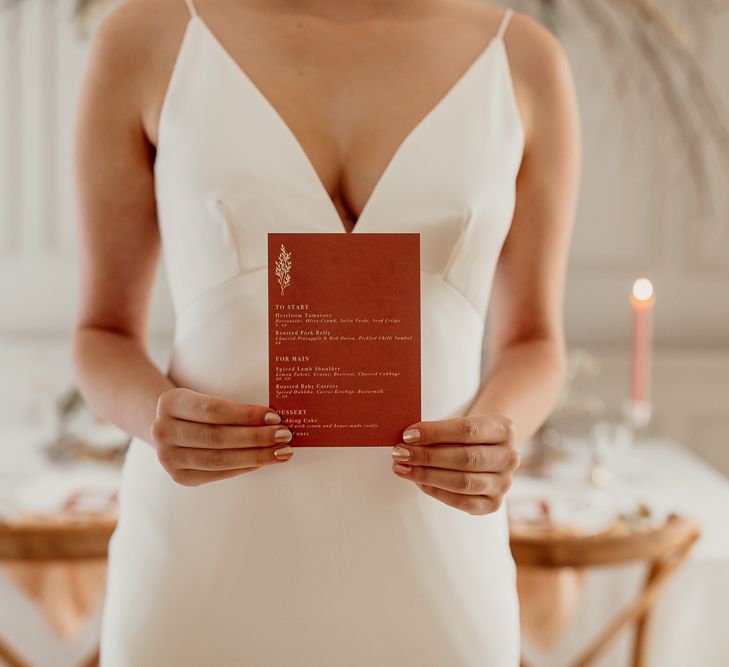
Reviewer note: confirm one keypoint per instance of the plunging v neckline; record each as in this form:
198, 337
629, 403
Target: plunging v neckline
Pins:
299, 148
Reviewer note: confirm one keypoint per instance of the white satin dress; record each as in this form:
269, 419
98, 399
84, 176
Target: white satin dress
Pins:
330, 559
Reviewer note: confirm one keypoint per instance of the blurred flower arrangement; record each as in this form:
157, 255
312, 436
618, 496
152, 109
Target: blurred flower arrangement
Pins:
81, 435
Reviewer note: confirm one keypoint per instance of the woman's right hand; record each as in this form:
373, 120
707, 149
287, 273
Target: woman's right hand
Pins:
201, 438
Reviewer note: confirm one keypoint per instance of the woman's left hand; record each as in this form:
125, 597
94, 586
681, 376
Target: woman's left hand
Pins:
466, 462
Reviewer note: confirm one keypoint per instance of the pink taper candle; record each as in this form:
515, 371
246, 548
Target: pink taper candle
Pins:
642, 300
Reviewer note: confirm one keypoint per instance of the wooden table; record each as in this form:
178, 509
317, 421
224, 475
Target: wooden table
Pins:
37, 540
664, 548
688, 617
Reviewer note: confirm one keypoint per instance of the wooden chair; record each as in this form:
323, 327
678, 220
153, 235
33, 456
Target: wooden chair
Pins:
664, 548
51, 540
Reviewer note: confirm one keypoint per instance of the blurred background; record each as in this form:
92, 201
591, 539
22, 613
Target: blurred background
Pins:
654, 96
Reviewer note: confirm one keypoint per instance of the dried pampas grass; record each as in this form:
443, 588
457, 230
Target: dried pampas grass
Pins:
647, 42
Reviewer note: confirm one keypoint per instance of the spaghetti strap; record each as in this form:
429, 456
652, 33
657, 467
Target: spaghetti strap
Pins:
504, 23
191, 7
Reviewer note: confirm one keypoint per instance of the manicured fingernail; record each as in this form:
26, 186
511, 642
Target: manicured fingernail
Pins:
411, 435
283, 435
401, 469
401, 453
272, 418
283, 452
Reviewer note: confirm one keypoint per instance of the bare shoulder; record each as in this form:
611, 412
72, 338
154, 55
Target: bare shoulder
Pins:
536, 56
124, 38
132, 51
532, 43
540, 70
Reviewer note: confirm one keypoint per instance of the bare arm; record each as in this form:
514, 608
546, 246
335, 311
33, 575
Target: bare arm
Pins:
468, 461
527, 350
197, 438
118, 235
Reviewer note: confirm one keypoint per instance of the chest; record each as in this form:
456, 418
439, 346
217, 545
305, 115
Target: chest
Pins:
348, 100
232, 166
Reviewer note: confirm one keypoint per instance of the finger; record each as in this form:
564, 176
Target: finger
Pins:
191, 405
469, 483
466, 429
221, 459
183, 433
475, 458
198, 477
470, 504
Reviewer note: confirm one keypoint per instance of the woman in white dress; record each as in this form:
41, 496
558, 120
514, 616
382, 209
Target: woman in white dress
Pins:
204, 126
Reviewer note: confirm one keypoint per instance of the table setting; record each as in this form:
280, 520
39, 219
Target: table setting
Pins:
58, 491
617, 484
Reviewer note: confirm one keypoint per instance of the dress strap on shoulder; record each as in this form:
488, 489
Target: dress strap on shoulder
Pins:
505, 23
191, 7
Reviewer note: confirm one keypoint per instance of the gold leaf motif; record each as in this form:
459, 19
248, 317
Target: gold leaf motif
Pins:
283, 268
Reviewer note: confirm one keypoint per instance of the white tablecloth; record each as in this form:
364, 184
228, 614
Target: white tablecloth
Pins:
691, 622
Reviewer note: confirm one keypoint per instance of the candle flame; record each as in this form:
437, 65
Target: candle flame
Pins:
642, 289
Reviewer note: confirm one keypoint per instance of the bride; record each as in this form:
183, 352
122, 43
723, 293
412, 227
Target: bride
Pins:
201, 127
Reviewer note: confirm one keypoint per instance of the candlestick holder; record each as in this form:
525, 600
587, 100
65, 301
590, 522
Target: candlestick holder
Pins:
611, 452
612, 444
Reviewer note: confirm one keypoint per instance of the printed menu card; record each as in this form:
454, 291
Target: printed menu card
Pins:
344, 336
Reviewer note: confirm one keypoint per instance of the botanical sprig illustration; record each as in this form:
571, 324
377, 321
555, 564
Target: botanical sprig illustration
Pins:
283, 268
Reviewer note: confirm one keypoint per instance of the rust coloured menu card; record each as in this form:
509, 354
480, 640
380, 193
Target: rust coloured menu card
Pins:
344, 336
